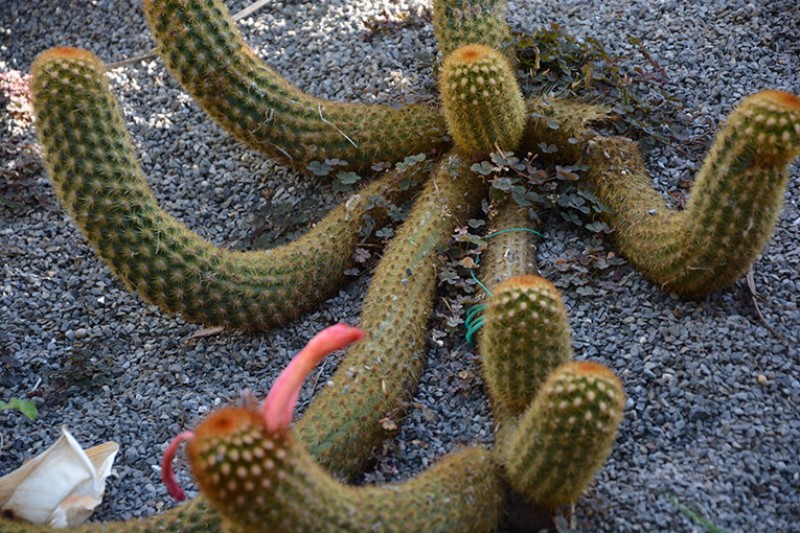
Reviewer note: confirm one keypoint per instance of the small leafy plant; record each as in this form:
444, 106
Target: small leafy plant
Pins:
26, 407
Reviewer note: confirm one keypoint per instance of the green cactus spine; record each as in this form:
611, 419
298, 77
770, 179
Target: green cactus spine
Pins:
483, 104
92, 163
560, 442
262, 480
342, 425
525, 337
461, 22
205, 52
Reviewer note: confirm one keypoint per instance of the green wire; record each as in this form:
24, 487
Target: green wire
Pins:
474, 320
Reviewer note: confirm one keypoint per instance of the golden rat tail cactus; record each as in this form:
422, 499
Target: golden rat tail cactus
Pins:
562, 440
461, 22
250, 467
206, 54
734, 203
343, 424
525, 336
511, 249
556, 419
93, 165
483, 104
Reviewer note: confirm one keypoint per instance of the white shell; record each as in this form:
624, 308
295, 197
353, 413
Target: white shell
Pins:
61, 486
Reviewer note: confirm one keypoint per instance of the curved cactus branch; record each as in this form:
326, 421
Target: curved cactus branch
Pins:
735, 200
205, 52
92, 163
734, 204
565, 436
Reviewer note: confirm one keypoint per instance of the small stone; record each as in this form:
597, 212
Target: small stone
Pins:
762, 379
81, 333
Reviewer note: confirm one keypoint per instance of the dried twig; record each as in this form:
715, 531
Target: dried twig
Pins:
326, 121
751, 284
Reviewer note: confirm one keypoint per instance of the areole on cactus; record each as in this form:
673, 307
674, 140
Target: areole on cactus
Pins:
558, 425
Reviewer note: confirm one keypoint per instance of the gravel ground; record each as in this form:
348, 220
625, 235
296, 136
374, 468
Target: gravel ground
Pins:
713, 418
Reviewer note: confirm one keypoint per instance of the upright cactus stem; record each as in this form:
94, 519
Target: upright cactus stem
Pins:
93, 165
206, 54
483, 104
734, 204
561, 441
524, 338
461, 22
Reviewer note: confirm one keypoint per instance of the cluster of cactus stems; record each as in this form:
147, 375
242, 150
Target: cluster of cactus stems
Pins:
557, 418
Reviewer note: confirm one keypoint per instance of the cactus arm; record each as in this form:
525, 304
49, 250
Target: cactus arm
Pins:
525, 337
342, 425
461, 22
259, 480
509, 252
483, 104
92, 163
574, 121
734, 205
735, 200
564, 437
205, 52
194, 516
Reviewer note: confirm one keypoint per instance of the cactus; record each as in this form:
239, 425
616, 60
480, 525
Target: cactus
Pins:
525, 336
735, 201
342, 425
93, 166
734, 204
205, 52
195, 516
253, 470
565, 124
557, 427
483, 104
564, 437
461, 22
